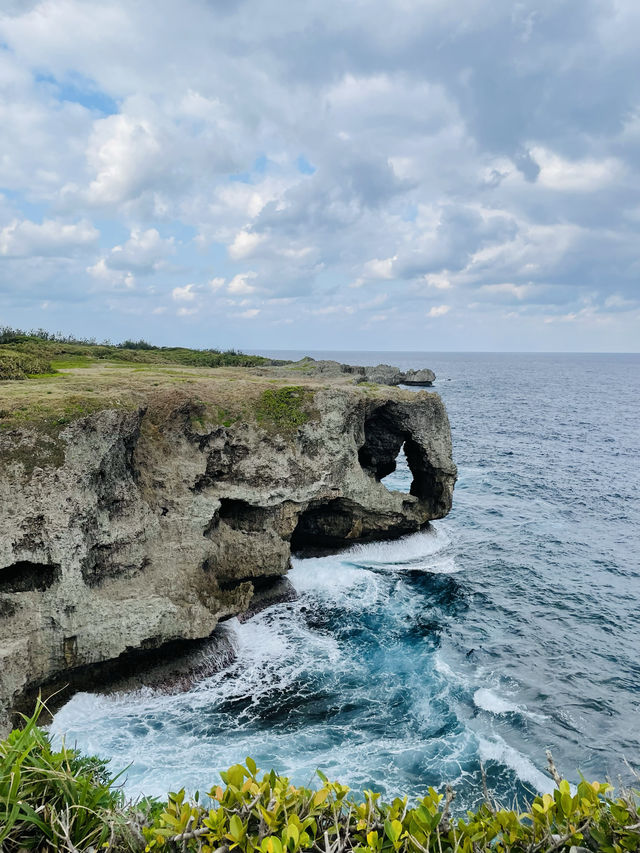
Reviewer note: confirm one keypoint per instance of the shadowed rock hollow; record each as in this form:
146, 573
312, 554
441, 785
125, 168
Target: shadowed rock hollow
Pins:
145, 524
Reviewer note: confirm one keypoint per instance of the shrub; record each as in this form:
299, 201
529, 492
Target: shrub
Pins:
141, 344
59, 800
21, 365
267, 814
9, 335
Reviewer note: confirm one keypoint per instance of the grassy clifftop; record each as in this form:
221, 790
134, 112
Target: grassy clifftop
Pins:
24, 354
62, 380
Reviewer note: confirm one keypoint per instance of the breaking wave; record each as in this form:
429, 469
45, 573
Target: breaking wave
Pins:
504, 629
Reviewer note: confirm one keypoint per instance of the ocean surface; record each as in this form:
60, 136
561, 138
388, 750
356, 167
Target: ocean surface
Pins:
511, 626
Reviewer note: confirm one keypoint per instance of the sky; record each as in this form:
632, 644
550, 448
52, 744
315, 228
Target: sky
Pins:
389, 174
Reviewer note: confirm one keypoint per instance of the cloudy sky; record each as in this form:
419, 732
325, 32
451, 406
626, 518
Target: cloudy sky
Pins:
361, 174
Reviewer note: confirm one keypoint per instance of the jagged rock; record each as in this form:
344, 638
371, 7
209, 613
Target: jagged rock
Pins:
381, 374
145, 526
384, 374
419, 377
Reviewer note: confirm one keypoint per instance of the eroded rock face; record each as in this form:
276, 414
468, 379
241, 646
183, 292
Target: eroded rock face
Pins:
153, 529
419, 377
381, 374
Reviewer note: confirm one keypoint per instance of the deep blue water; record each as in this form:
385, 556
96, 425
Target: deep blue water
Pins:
511, 627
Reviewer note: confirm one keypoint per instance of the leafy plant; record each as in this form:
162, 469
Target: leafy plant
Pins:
54, 799
59, 800
23, 353
268, 814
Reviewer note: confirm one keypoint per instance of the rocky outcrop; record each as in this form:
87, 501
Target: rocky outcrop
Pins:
381, 374
422, 377
152, 523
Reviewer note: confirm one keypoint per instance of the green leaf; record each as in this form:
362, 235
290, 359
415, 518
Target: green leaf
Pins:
393, 830
293, 833
271, 844
236, 828
235, 775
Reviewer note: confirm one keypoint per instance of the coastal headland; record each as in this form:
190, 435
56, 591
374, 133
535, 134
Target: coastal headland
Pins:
142, 503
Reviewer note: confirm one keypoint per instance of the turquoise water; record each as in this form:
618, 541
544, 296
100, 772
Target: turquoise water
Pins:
509, 627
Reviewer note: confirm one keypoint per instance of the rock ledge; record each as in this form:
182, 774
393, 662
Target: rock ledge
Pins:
154, 519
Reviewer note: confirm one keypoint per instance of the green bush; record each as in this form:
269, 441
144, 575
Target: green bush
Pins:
26, 353
58, 800
267, 814
141, 344
21, 365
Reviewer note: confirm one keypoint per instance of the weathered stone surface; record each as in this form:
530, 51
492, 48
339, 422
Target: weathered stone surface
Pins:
419, 377
153, 524
381, 374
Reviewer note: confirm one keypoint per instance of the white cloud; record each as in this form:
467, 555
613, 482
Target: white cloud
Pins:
126, 154
439, 281
377, 268
184, 294
520, 291
587, 175
23, 238
244, 244
616, 300
438, 311
113, 278
144, 251
239, 284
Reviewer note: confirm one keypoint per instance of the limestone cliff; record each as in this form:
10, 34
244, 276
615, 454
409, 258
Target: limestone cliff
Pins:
147, 520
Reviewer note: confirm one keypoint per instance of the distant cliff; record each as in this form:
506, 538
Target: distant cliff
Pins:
139, 508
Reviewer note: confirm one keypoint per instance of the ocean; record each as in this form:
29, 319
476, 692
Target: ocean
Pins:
508, 628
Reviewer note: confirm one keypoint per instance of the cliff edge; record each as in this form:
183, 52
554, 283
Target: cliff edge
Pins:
139, 507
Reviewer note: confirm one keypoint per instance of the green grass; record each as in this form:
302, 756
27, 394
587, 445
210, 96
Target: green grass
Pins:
24, 354
284, 409
55, 799
71, 362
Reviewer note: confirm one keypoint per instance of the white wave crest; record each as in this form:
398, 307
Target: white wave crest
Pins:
500, 751
425, 551
487, 700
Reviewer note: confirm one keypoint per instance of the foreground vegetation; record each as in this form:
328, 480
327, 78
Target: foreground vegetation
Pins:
56, 799
38, 352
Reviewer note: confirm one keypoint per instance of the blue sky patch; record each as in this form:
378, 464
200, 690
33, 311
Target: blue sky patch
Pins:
79, 90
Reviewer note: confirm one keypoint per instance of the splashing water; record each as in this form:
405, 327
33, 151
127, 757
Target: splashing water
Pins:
345, 679
500, 631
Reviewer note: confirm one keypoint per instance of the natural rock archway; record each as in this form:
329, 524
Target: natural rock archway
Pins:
397, 425
150, 526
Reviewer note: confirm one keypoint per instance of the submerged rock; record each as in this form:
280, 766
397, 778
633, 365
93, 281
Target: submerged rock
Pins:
146, 525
